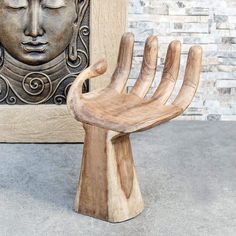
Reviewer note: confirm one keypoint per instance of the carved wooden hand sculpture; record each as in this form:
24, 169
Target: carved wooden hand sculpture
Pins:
108, 187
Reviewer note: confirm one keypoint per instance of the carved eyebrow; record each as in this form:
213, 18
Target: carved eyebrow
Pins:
54, 3
16, 3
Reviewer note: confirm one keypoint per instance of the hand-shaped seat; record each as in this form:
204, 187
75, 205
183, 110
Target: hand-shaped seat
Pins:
108, 187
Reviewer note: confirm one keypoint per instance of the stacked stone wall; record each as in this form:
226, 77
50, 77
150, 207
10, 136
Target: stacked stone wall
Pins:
211, 24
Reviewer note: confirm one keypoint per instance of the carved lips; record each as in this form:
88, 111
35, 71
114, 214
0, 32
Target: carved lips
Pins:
34, 46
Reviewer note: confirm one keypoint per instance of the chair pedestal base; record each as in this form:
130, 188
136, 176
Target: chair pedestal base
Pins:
108, 188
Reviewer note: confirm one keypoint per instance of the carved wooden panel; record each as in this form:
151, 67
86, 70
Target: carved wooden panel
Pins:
50, 123
44, 45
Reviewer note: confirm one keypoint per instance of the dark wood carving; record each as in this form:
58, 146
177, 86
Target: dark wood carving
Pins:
43, 47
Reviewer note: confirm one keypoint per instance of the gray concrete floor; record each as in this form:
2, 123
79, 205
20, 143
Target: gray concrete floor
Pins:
186, 170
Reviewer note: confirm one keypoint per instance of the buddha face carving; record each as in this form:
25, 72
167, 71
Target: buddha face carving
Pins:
43, 47
36, 31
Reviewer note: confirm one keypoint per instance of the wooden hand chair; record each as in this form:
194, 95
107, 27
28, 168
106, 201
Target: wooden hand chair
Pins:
108, 188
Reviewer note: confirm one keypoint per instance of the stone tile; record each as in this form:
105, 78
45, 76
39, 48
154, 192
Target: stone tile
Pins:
208, 23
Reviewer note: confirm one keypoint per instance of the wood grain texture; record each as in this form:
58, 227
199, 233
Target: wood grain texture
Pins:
112, 109
92, 197
123, 153
124, 63
109, 22
38, 124
170, 73
148, 69
108, 188
51, 123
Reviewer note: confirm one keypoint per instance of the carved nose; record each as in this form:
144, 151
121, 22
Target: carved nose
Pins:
34, 26
34, 31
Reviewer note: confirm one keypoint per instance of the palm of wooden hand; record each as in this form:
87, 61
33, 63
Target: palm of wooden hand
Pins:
115, 110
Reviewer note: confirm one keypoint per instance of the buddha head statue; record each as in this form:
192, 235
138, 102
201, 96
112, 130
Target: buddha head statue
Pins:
37, 32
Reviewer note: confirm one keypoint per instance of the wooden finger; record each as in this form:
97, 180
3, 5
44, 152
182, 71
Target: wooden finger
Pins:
191, 78
75, 93
170, 73
124, 63
148, 70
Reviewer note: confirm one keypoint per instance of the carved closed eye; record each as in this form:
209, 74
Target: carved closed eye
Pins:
16, 4
53, 4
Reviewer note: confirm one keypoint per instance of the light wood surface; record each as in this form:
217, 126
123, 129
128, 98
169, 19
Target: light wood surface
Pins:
109, 22
108, 188
51, 123
112, 109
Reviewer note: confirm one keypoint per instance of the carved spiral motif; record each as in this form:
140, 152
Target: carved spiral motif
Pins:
59, 99
11, 100
37, 83
84, 30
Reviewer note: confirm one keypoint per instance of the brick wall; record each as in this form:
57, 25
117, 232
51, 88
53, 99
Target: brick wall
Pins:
211, 24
